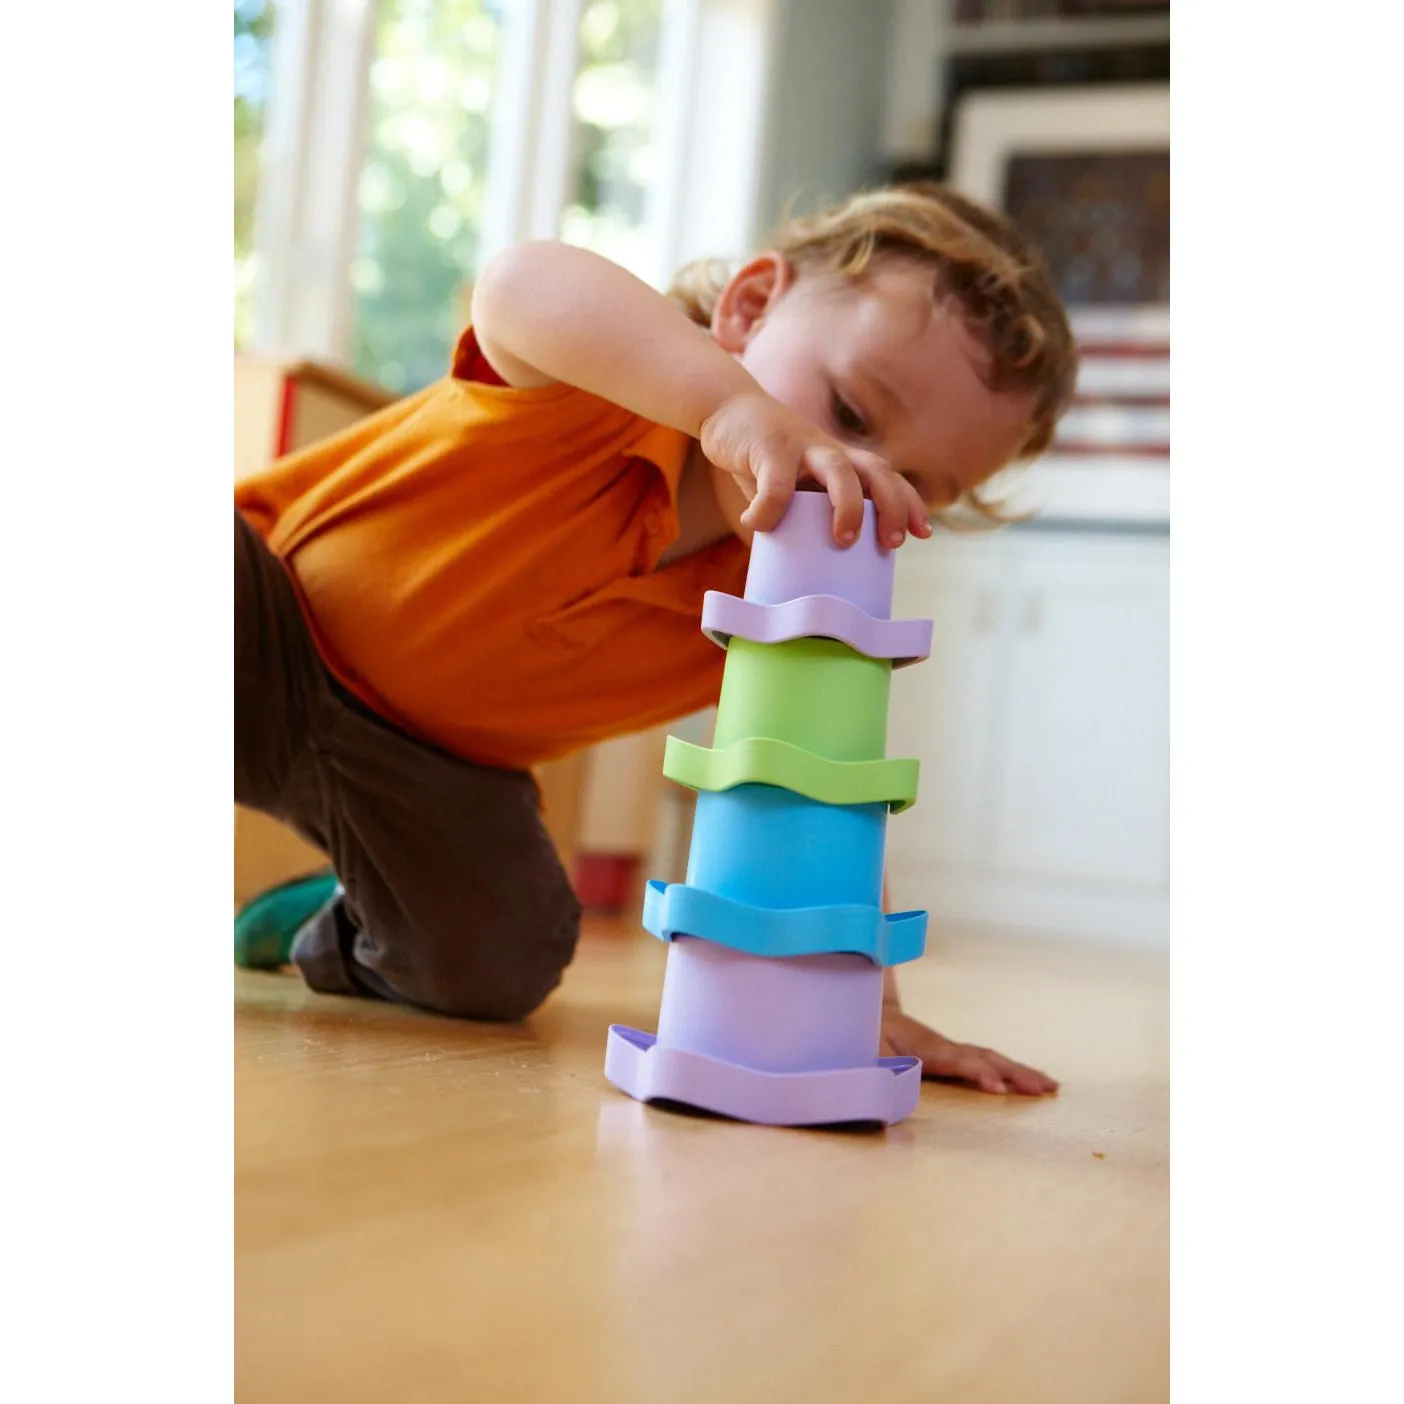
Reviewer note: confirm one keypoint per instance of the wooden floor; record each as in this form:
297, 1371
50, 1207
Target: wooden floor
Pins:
430, 1211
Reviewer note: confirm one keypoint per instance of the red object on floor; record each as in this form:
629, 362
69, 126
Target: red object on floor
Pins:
603, 880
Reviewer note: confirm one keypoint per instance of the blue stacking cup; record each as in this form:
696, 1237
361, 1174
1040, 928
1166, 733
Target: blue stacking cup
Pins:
769, 847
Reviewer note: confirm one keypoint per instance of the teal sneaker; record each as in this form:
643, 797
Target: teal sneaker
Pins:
265, 928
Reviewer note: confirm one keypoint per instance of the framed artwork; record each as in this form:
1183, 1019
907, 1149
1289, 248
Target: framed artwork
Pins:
1085, 173
1006, 11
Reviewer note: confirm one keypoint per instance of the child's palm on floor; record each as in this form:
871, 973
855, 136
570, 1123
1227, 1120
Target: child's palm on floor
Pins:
903, 1036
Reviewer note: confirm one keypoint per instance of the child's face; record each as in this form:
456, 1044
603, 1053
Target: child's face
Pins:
876, 363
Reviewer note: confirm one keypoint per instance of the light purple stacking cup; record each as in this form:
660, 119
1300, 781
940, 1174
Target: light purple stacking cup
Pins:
800, 557
783, 1042
802, 585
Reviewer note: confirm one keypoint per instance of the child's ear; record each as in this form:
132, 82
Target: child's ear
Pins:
752, 292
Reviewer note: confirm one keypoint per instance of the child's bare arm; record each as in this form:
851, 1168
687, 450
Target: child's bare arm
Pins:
547, 312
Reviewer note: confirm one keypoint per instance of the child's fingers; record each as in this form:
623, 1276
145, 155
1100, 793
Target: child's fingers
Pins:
918, 513
834, 469
891, 496
960, 1061
971, 1065
775, 485
1029, 1081
988, 1070
914, 514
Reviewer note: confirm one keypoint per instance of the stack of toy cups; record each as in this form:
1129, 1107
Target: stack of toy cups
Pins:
772, 995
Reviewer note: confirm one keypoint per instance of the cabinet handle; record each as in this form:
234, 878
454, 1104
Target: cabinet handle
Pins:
1033, 614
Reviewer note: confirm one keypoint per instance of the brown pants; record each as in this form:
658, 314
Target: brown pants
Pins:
452, 896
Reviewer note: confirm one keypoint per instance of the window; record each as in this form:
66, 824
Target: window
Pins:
253, 35
409, 139
422, 189
421, 196
615, 104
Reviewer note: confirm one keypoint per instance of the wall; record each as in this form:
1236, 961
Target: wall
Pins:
828, 104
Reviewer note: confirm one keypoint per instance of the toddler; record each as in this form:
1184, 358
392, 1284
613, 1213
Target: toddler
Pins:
510, 564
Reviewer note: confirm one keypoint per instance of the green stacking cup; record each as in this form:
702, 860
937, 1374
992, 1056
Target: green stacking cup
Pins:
817, 694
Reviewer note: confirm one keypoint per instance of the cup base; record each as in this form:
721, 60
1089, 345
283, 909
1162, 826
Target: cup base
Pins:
884, 1091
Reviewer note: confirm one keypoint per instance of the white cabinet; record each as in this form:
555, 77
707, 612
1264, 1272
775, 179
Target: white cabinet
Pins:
1083, 784
1041, 723
944, 710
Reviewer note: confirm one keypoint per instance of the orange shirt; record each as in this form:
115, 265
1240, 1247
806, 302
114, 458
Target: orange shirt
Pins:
476, 564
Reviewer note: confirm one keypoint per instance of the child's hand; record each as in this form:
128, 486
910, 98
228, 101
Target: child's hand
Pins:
767, 447
903, 1036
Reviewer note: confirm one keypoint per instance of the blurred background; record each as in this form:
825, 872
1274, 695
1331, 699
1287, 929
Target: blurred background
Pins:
385, 148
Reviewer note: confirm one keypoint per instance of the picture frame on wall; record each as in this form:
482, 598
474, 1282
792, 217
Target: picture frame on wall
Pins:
1085, 174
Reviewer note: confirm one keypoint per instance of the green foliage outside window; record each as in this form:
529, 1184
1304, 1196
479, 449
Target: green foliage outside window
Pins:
422, 188
423, 185
253, 34
615, 103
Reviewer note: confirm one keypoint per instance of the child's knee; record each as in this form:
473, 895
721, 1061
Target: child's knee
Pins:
504, 999
502, 972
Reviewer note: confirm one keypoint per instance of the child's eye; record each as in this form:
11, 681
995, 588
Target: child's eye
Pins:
846, 417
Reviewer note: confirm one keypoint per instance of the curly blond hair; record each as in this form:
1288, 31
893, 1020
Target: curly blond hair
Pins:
996, 278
